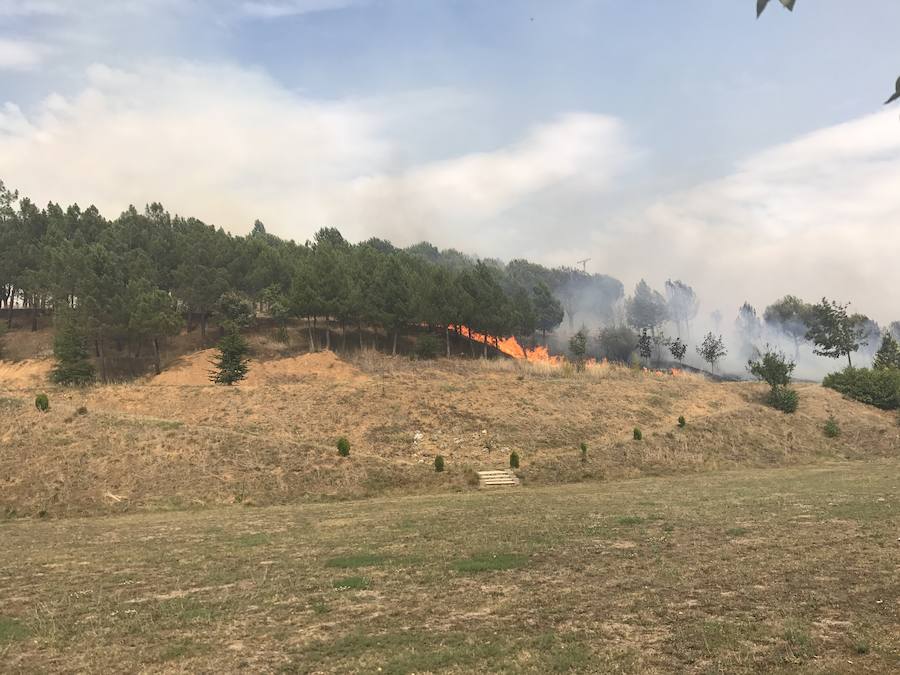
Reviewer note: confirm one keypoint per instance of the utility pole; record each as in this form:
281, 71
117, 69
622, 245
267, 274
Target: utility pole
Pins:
583, 264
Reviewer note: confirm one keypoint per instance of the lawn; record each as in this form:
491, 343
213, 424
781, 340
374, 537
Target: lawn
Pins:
793, 570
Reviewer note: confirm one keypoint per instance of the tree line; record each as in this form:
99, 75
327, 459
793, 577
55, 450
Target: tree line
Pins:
128, 283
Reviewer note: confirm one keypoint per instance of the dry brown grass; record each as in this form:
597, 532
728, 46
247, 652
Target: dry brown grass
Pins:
142, 446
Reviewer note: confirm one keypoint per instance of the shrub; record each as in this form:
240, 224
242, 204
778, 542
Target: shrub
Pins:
471, 477
832, 429
772, 367
427, 347
514, 460
880, 388
42, 403
681, 421
783, 399
637, 434
617, 343
343, 447
439, 463
583, 453
81, 410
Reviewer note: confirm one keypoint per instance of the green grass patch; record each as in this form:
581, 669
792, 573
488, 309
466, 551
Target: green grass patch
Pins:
736, 531
253, 539
182, 649
350, 584
491, 562
355, 560
12, 630
630, 520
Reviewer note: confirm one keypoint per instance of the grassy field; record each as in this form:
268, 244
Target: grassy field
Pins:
788, 569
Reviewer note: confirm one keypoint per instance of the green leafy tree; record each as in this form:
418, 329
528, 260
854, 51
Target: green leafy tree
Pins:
617, 343
682, 305
578, 346
678, 349
834, 332
790, 316
231, 363
712, 349
888, 355
73, 365
548, 310
154, 315
646, 309
772, 367
645, 346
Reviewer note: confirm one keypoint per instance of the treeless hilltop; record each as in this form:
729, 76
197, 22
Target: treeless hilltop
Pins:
177, 441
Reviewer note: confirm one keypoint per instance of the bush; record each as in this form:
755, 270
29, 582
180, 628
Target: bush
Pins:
439, 463
772, 367
617, 343
471, 477
880, 388
427, 347
637, 434
583, 453
343, 447
514, 460
42, 403
681, 421
832, 429
783, 399
81, 410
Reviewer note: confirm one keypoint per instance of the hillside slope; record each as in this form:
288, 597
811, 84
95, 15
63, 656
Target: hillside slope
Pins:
174, 441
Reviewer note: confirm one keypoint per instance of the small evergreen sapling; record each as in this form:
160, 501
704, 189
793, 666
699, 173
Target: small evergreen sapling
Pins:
584, 453
637, 434
42, 402
681, 421
514, 460
343, 447
439, 463
832, 429
231, 362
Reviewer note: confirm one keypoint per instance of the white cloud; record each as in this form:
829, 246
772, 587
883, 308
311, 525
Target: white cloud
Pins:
228, 145
20, 54
272, 9
817, 216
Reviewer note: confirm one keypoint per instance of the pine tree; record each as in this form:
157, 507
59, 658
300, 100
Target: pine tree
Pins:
231, 362
888, 355
69, 347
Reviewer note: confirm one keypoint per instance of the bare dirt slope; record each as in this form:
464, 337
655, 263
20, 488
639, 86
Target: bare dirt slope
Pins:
176, 441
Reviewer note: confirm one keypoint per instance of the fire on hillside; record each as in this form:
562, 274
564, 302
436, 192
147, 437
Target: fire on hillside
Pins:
540, 354
510, 346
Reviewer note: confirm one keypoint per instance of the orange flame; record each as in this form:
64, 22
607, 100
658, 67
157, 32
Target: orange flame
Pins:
511, 347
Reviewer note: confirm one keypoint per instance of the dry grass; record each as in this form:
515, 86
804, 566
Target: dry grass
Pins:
142, 446
780, 570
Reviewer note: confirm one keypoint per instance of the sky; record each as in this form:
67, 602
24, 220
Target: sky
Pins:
685, 140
